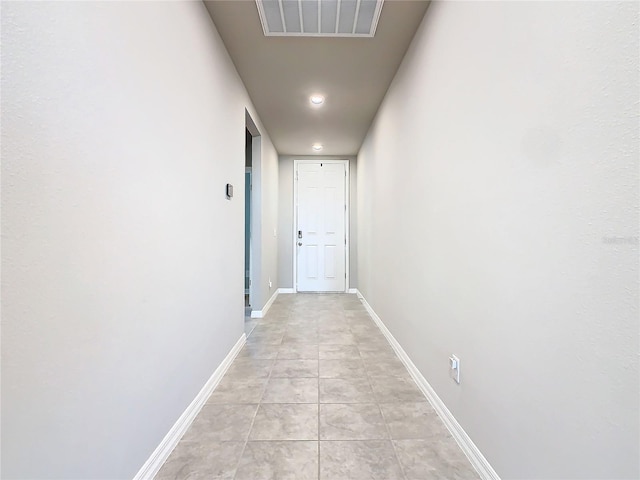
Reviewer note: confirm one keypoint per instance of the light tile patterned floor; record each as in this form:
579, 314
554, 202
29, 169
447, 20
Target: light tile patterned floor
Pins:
317, 393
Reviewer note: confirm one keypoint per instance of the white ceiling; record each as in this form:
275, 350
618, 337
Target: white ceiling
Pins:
280, 73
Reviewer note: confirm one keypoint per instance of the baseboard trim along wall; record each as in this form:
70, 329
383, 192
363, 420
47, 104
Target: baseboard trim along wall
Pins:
170, 441
353, 290
286, 290
267, 306
472, 452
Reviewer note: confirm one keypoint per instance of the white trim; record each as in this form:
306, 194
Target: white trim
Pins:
353, 291
347, 199
286, 290
153, 464
267, 306
469, 448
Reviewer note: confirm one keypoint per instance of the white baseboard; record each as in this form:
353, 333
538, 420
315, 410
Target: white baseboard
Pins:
267, 306
469, 448
353, 290
159, 456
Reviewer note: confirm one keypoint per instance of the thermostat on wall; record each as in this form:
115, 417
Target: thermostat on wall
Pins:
229, 190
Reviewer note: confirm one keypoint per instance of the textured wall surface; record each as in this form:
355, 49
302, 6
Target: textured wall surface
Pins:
498, 220
122, 259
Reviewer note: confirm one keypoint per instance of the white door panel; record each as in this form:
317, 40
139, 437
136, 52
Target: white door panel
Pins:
321, 227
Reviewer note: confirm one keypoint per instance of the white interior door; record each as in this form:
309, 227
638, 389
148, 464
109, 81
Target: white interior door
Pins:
320, 232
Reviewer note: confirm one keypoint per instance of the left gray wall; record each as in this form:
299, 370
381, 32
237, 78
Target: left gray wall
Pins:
122, 259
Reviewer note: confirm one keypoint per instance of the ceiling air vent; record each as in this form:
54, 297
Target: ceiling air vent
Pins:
319, 18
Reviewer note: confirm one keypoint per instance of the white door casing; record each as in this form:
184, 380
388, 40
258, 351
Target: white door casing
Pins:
321, 234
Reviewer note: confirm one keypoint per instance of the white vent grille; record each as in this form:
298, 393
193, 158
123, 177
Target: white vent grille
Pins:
320, 18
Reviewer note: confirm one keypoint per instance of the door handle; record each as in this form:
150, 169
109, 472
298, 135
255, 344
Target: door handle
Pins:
299, 233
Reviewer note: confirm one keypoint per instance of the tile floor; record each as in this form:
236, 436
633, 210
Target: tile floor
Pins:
317, 393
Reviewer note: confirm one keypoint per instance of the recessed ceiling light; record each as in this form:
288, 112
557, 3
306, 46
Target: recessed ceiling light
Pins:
317, 147
316, 99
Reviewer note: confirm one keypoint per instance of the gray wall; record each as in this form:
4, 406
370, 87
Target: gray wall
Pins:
121, 257
286, 218
498, 220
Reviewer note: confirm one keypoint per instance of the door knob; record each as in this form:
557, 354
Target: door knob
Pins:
299, 244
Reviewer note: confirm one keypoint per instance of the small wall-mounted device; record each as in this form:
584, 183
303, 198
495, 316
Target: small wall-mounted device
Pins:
229, 190
454, 368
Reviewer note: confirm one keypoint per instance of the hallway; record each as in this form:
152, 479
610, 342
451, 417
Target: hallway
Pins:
317, 392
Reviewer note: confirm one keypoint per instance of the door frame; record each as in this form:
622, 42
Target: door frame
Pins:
248, 170
255, 244
347, 199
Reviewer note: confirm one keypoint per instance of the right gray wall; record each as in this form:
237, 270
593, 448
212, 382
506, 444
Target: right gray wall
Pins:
498, 220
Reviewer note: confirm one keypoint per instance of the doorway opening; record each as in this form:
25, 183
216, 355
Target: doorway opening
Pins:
321, 233
253, 229
247, 222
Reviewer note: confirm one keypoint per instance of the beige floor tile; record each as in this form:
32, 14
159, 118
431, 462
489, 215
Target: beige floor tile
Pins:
331, 338
422, 459
389, 389
279, 461
368, 350
295, 351
385, 366
366, 329
334, 352
346, 368
295, 368
345, 390
266, 337
300, 337
258, 351
327, 332
358, 460
413, 420
285, 422
221, 423
202, 461
246, 368
355, 421
372, 339
238, 390
291, 390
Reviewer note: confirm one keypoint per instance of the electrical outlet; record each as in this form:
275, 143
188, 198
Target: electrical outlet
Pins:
454, 368
269, 282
